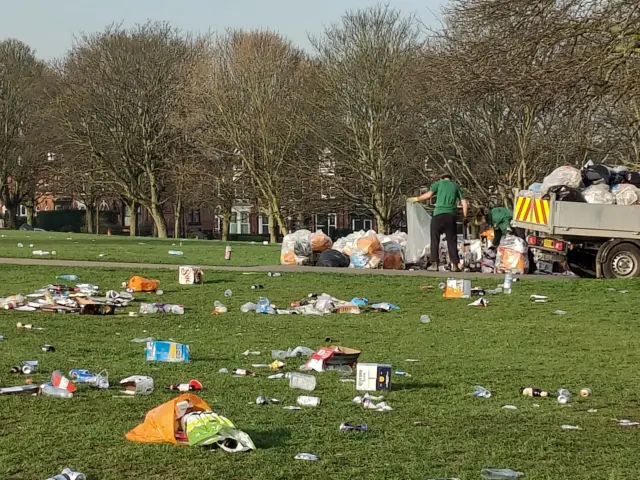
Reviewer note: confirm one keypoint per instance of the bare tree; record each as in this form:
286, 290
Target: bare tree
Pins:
255, 101
366, 113
121, 89
22, 100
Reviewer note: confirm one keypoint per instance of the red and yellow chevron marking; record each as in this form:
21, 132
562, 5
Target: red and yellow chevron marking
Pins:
531, 210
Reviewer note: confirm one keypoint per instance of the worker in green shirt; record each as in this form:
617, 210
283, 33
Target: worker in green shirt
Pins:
499, 218
447, 194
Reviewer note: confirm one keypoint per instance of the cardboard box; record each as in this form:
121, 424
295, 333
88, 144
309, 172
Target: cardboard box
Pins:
457, 288
332, 357
160, 351
372, 377
188, 275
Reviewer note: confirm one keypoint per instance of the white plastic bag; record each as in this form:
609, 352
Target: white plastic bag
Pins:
296, 248
598, 194
419, 231
367, 251
626, 194
565, 175
512, 255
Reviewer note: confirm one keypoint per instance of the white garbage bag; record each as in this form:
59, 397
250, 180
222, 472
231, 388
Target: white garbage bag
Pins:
565, 175
626, 194
599, 194
419, 231
296, 248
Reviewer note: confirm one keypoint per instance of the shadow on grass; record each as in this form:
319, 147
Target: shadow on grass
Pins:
416, 386
270, 438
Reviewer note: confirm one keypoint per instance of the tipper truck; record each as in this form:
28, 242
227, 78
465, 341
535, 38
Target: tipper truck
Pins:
593, 240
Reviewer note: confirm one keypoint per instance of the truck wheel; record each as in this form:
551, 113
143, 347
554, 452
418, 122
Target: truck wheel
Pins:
623, 261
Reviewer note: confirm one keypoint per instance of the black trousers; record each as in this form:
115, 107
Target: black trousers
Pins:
444, 223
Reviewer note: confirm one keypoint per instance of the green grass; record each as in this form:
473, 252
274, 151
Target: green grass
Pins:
139, 249
510, 344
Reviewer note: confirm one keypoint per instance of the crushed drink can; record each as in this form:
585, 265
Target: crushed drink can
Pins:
48, 348
257, 287
227, 253
346, 427
95, 380
585, 392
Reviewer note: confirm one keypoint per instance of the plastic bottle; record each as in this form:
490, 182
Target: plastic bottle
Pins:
147, 308
228, 292
219, 307
500, 474
51, 391
306, 401
176, 252
508, 281
177, 309
68, 278
302, 381
227, 253
248, 307
264, 306
481, 392
241, 372
274, 274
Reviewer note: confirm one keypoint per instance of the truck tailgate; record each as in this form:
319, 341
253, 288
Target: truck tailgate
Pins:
532, 214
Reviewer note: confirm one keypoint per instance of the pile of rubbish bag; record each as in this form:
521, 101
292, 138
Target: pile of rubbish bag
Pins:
356, 250
592, 184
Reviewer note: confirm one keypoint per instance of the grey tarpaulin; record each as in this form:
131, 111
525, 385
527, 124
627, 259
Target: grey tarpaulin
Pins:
418, 230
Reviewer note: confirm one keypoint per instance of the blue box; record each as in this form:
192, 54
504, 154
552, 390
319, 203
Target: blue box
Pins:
160, 351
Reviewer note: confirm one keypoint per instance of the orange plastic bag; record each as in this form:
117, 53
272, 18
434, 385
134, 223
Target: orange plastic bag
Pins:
320, 242
508, 259
489, 234
141, 284
159, 424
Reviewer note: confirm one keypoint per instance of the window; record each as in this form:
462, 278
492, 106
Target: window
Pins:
367, 224
332, 223
244, 224
23, 211
194, 217
264, 224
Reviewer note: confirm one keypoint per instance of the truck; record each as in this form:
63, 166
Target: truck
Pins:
592, 240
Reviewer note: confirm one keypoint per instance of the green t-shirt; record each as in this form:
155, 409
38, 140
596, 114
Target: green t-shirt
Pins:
447, 194
500, 218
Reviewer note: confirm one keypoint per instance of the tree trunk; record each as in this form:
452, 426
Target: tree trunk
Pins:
226, 220
273, 238
12, 219
177, 217
96, 228
30, 216
159, 221
133, 218
88, 218
383, 224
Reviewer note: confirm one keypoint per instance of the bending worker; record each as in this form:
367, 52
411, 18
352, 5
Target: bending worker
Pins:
499, 218
447, 194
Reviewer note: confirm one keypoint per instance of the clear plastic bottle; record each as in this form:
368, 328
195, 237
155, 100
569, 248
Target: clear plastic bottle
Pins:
50, 391
500, 474
68, 278
176, 252
147, 308
302, 381
228, 292
248, 307
306, 401
481, 392
508, 281
177, 309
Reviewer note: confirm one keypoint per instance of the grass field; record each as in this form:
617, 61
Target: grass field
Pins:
72, 246
510, 344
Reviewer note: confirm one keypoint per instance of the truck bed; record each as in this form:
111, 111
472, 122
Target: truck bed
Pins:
575, 219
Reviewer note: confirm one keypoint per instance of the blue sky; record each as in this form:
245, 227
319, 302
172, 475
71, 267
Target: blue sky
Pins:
49, 25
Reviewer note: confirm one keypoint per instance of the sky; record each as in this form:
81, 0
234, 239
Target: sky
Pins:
49, 26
